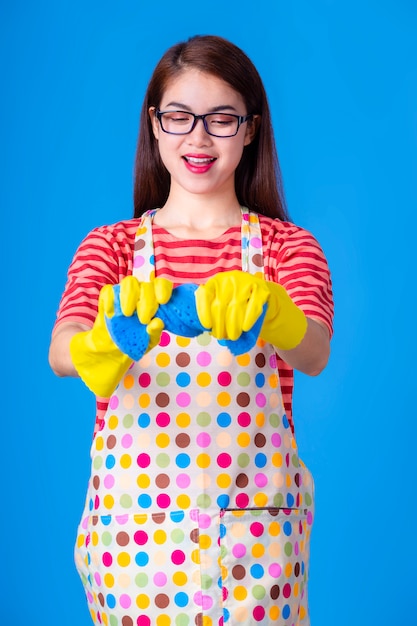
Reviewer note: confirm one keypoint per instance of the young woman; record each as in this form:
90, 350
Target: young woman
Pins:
198, 509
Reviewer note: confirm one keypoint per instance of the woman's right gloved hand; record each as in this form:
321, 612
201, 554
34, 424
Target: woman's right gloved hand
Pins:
97, 359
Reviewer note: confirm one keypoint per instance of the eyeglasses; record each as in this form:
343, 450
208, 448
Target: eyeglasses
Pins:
215, 124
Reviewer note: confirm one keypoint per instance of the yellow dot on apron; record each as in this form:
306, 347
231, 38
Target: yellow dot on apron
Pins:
108, 501
104, 619
128, 381
163, 359
94, 538
142, 601
277, 459
203, 460
113, 422
93, 616
99, 442
162, 440
240, 592
123, 559
183, 342
183, 420
125, 461
274, 613
274, 529
288, 480
143, 481
109, 580
183, 502
260, 419
258, 550
141, 231
223, 481
243, 359
204, 542
260, 499
273, 381
303, 612
163, 620
288, 570
296, 590
140, 519
144, 400
80, 540
195, 556
243, 440
180, 579
203, 379
160, 536
207, 621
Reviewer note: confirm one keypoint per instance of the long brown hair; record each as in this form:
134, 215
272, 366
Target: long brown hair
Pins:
258, 181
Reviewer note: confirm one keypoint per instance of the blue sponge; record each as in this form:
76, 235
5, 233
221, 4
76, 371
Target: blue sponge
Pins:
180, 318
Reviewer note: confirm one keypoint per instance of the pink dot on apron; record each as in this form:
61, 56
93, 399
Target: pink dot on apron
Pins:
183, 481
138, 261
183, 399
125, 601
127, 441
114, 403
276, 440
256, 242
203, 440
257, 529
109, 481
178, 557
260, 400
160, 579
275, 570
203, 358
239, 550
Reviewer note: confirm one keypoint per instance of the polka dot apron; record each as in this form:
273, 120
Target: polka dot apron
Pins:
198, 510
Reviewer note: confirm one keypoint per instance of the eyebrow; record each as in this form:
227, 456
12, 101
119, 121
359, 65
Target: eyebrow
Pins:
184, 107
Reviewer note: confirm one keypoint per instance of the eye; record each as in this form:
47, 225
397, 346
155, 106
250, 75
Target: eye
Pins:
221, 119
177, 117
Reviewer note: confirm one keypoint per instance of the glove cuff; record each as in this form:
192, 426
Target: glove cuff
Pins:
285, 323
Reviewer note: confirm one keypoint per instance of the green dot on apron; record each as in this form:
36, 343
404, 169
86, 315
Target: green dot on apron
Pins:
163, 379
98, 462
258, 592
243, 460
182, 620
206, 581
113, 621
126, 501
177, 536
243, 379
288, 548
106, 538
162, 460
203, 419
141, 580
204, 339
295, 460
274, 420
128, 420
278, 500
308, 499
204, 501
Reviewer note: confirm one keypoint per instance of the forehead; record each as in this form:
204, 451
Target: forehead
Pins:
198, 89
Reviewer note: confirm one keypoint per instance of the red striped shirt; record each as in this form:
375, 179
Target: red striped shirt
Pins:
292, 257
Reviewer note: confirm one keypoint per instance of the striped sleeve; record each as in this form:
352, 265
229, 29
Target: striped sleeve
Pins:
294, 258
105, 256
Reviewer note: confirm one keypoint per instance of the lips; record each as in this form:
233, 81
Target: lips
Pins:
198, 163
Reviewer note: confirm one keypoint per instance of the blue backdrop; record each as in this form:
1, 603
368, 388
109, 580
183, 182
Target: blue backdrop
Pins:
342, 83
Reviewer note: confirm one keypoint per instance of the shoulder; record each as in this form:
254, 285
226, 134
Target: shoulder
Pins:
117, 231
287, 238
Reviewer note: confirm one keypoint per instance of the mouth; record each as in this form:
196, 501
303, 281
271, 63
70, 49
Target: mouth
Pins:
198, 160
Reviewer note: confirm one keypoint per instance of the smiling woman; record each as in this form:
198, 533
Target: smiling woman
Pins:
199, 509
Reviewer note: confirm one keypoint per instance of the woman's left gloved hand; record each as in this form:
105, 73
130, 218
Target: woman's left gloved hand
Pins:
231, 302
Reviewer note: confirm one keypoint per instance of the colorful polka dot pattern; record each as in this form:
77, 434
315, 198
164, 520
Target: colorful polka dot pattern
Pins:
199, 510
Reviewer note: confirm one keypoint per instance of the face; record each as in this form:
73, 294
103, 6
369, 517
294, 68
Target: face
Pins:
200, 163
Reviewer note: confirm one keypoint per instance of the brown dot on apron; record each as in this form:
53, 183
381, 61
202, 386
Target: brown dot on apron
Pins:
183, 359
94, 520
111, 441
162, 399
242, 480
297, 479
101, 599
158, 518
161, 600
198, 619
257, 260
127, 621
297, 569
275, 591
182, 440
96, 482
139, 244
194, 535
122, 539
260, 440
162, 481
238, 572
260, 360
242, 399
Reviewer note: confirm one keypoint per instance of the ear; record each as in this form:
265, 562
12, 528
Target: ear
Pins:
251, 129
154, 122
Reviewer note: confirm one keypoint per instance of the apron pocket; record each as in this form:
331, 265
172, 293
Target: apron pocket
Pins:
140, 566
264, 559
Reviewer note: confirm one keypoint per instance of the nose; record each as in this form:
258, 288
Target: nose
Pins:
199, 135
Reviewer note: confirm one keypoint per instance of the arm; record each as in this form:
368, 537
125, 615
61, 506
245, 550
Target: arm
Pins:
59, 352
312, 354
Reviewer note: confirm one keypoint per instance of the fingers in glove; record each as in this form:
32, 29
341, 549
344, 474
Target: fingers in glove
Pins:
154, 330
106, 301
130, 290
163, 290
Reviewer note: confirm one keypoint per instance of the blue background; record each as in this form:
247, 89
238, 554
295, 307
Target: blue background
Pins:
342, 83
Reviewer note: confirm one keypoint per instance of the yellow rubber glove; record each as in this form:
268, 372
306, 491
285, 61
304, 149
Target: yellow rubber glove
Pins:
231, 302
97, 359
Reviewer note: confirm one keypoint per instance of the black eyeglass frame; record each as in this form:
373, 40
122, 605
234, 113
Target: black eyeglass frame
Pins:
241, 119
